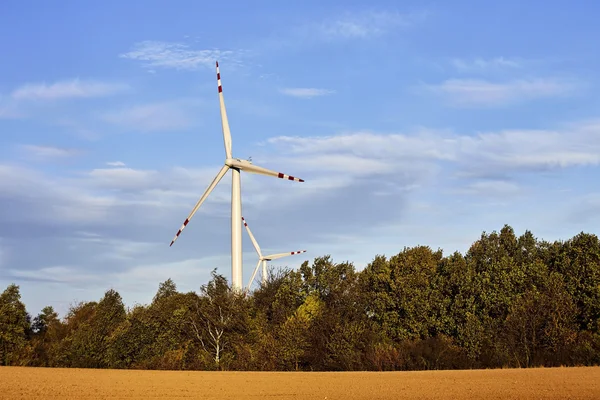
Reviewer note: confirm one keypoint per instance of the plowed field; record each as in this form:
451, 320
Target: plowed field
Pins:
546, 383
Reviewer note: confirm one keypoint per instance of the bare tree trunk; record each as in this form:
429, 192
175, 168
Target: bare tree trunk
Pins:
215, 344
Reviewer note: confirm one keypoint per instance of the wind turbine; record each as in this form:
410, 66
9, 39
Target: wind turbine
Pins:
235, 165
263, 259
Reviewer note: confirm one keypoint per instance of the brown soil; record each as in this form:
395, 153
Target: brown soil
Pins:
543, 383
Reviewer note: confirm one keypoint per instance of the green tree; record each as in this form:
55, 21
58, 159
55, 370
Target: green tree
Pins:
47, 329
218, 320
91, 326
292, 336
578, 260
540, 328
403, 296
14, 327
165, 289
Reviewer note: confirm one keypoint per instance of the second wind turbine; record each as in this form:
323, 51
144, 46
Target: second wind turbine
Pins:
236, 165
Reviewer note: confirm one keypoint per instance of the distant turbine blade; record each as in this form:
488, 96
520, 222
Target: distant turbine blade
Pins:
253, 275
210, 188
254, 242
224, 120
263, 171
280, 255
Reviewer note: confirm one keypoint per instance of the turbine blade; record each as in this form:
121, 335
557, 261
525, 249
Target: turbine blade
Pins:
263, 171
253, 275
280, 255
224, 120
254, 242
210, 188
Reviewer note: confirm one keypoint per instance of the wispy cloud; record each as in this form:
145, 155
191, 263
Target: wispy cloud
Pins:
366, 24
585, 208
481, 64
115, 164
163, 116
123, 178
483, 93
508, 151
49, 152
8, 108
130, 215
306, 92
336, 28
157, 54
74, 88
78, 128
490, 187
2, 254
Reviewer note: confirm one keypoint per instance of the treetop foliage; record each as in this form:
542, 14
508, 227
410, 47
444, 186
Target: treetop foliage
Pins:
508, 302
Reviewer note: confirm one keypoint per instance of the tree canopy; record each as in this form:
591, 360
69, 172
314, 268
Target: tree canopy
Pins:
507, 302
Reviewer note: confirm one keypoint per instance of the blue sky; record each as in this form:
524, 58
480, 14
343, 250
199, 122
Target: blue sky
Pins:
413, 123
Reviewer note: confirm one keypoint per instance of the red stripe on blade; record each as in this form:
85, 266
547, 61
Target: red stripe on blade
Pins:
280, 175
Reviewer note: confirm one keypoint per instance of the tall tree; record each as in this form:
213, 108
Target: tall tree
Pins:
47, 330
165, 289
218, 319
14, 327
578, 260
402, 293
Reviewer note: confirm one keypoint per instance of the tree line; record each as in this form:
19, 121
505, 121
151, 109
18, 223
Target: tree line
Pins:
507, 302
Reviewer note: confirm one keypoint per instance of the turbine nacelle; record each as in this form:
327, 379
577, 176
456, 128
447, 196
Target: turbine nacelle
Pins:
237, 163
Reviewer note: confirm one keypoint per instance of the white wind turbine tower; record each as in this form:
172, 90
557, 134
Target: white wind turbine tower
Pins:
263, 259
236, 165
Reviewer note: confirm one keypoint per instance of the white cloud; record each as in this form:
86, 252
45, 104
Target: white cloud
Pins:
491, 187
2, 255
77, 128
585, 208
482, 93
60, 274
366, 24
50, 152
178, 56
166, 188
163, 116
115, 164
9, 109
183, 272
510, 150
111, 227
49, 198
123, 178
102, 198
306, 92
389, 161
74, 88
423, 144
480, 64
